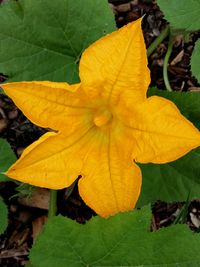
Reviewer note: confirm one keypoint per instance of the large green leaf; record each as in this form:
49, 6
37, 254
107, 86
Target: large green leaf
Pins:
122, 240
43, 40
195, 61
177, 180
3, 216
182, 15
7, 158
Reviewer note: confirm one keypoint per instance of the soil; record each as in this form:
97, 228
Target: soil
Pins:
26, 217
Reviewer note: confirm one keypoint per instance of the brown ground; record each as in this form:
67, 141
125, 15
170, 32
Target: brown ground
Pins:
26, 216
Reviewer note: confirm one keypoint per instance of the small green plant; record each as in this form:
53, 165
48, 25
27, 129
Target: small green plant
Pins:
24, 190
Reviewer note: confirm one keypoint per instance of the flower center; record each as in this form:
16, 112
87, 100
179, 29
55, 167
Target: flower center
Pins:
102, 117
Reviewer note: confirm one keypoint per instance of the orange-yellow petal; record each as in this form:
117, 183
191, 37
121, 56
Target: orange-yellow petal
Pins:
49, 104
118, 61
54, 161
110, 184
160, 133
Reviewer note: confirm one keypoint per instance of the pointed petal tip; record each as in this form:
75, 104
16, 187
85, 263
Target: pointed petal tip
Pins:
8, 84
137, 22
13, 174
5, 86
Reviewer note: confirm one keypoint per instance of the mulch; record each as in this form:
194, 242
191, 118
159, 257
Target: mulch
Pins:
27, 217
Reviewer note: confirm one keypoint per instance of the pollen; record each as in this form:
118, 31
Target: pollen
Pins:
102, 117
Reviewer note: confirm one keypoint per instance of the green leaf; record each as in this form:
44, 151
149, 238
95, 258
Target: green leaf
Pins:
182, 15
3, 216
43, 40
122, 240
171, 181
195, 61
176, 180
7, 158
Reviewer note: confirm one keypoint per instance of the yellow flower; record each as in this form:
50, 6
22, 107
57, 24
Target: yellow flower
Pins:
104, 124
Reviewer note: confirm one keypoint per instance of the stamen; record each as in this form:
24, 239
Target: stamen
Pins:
102, 117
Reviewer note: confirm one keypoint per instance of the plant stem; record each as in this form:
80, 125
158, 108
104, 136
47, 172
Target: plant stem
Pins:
158, 40
166, 61
182, 216
52, 203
